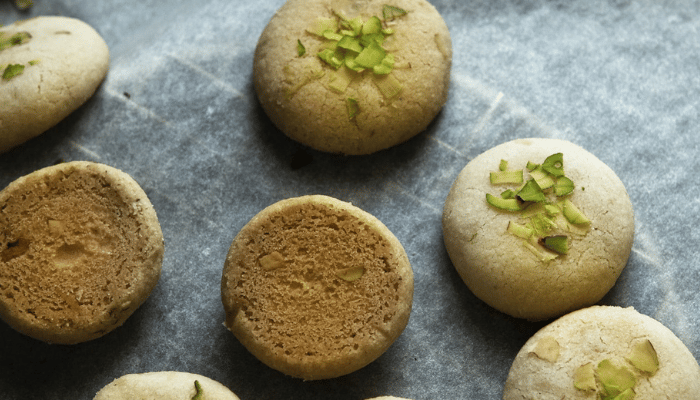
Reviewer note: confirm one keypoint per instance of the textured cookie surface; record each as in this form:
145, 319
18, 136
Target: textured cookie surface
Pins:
509, 273
80, 250
165, 385
64, 61
301, 94
564, 354
316, 288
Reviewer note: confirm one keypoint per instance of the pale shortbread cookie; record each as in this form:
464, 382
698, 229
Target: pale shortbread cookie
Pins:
316, 288
296, 91
501, 270
388, 398
64, 62
80, 250
165, 385
546, 365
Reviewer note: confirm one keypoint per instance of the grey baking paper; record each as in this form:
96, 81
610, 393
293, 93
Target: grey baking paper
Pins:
178, 113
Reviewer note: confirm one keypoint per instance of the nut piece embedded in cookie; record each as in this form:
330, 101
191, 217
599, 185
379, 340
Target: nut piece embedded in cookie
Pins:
316, 288
80, 250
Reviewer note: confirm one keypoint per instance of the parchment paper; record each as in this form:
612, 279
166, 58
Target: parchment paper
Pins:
179, 114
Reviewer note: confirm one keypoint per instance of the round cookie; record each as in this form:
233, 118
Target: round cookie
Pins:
165, 385
316, 288
80, 250
388, 398
520, 275
63, 60
572, 357
339, 110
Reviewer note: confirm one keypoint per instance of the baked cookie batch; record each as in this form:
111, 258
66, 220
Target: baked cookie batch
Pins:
313, 286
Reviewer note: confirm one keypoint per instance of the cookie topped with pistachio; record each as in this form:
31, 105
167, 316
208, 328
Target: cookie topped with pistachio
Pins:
165, 385
352, 76
538, 227
604, 353
49, 67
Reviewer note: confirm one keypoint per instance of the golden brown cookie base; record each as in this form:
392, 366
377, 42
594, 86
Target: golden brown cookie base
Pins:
80, 250
316, 288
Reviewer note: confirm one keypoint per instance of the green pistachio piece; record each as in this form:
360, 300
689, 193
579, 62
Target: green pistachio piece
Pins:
573, 214
350, 274
503, 204
14, 40
386, 66
614, 380
543, 179
557, 243
370, 56
531, 166
563, 186
301, 50
532, 192
521, 231
554, 164
331, 57
505, 177
584, 378
355, 25
547, 349
542, 224
503, 165
388, 85
340, 79
626, 395
551, 210
350, 43
508, 194
34, 62
352, 107
391, 12
12, 70
373, 25
366, 40
643, 357
330, 35
199, 395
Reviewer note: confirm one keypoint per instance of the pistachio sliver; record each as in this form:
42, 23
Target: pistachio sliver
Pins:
12, 70
563, 186
370, 56
503, 165
503, 204
350, 43
506, 177
388, 85
351, 274
554, 164
532, 192
573, 214
643, 357
331, 57
521, 231
301, 50
615, 380
386, 65
199, 393
390, 12
584, 378
543, 179
372, 25
352, 107
322, 25
508, 194
557, 243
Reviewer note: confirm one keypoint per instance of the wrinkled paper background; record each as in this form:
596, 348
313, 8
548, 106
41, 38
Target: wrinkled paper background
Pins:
619, 78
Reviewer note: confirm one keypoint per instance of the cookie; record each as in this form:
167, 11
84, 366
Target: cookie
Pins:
50, 67
316, 288
165, 385
306, 72
80, 250
548, 254
388, 398
603, 352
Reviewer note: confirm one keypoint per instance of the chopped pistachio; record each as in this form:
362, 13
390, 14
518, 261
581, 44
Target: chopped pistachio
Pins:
547, 349
14, 40
272, 261
554, 164
563, 186
503, 204
614, 380
626, 395
573, 214
506, 177
331, 58
199, 393
521, 231
301, 50
371, 55
340, 80
542, 224
557, 243
391, 12
351, 274
531, 192
503, 165
34, 62
350, 43
643, 357
386, 65
531, 166
388, 85
551, 210
352, 107
584, 378
12, 70
508, 194
330, 35
543, 179
372, 25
